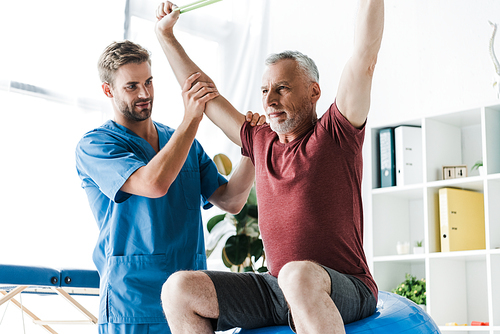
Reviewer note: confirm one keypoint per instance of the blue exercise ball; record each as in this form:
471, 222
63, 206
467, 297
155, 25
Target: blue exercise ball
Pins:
394, 314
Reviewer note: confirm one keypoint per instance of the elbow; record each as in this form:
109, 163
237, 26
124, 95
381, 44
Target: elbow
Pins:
371, 67
368, 63
157, 190
159, 193
235, 208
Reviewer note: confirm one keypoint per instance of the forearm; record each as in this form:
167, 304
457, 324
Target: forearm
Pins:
369, 29
154, 179
179, 61
219, 110
354, 90
232, 196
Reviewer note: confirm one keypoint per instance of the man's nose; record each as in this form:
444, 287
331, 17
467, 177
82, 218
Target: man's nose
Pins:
271, 99
144, 92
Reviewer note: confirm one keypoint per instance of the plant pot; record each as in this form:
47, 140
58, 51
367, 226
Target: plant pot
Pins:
418, 250
481, 170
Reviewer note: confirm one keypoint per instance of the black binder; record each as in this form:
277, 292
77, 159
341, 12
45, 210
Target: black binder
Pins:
387, 158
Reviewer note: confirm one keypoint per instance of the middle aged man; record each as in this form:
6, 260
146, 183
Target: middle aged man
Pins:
308, 181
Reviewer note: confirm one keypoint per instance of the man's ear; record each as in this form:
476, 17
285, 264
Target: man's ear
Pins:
106, 88
315, 92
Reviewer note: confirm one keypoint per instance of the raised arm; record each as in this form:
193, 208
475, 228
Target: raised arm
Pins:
353, 96
219, 110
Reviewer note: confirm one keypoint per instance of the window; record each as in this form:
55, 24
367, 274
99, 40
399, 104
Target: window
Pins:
51, 96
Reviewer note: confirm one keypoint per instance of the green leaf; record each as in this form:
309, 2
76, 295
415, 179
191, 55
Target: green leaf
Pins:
252, 211
242, 214
214, 221
248, 269
252, 197
262, 269
225, 260
256, 249
236, 249
412, 289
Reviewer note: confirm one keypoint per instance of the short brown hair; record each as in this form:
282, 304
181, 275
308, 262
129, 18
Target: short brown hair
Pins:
118, 54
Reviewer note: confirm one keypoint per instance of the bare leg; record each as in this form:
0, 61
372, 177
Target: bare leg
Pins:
189, 302
307, 288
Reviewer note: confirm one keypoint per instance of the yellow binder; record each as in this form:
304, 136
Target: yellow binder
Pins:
461, 215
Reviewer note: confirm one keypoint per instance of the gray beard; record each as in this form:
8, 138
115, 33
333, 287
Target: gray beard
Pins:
287, 125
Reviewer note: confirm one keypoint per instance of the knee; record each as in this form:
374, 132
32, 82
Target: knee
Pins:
176, 289
296, 274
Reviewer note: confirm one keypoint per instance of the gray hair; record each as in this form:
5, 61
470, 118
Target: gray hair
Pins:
304, 62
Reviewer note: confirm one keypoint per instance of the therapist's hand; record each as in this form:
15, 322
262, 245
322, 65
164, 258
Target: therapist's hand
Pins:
255, 119
196, 95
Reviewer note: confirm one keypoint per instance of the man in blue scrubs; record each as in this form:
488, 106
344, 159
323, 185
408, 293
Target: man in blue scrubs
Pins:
145, 183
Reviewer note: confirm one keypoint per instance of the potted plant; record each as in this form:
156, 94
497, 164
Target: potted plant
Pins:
243, 249
413, 289
418, 248
479, 166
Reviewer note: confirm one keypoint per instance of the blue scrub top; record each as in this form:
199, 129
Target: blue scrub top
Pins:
142, 241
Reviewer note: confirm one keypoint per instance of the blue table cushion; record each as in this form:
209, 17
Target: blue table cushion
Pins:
79, 278
29, 275
48, 277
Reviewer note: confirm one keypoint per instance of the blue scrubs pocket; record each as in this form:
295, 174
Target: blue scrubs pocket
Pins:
134, 288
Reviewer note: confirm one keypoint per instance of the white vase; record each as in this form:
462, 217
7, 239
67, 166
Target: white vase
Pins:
418, 250
481, 170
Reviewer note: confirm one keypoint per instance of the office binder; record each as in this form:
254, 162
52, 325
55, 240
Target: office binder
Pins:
461, 214
387, 159
408, 148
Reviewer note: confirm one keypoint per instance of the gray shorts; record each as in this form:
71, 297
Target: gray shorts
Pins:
249, 300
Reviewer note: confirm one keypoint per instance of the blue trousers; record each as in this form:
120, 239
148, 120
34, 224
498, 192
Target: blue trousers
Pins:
134, 329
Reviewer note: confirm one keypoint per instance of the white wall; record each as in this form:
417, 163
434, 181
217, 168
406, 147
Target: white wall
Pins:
434, 56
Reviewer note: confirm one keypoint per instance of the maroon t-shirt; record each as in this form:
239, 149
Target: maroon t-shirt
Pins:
309, 195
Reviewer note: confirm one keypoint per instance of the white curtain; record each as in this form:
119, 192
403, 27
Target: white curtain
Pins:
51, 96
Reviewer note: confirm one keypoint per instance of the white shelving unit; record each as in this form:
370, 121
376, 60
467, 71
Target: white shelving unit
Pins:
461, 286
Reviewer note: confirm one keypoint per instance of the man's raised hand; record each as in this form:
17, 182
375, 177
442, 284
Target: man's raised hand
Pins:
166, 16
